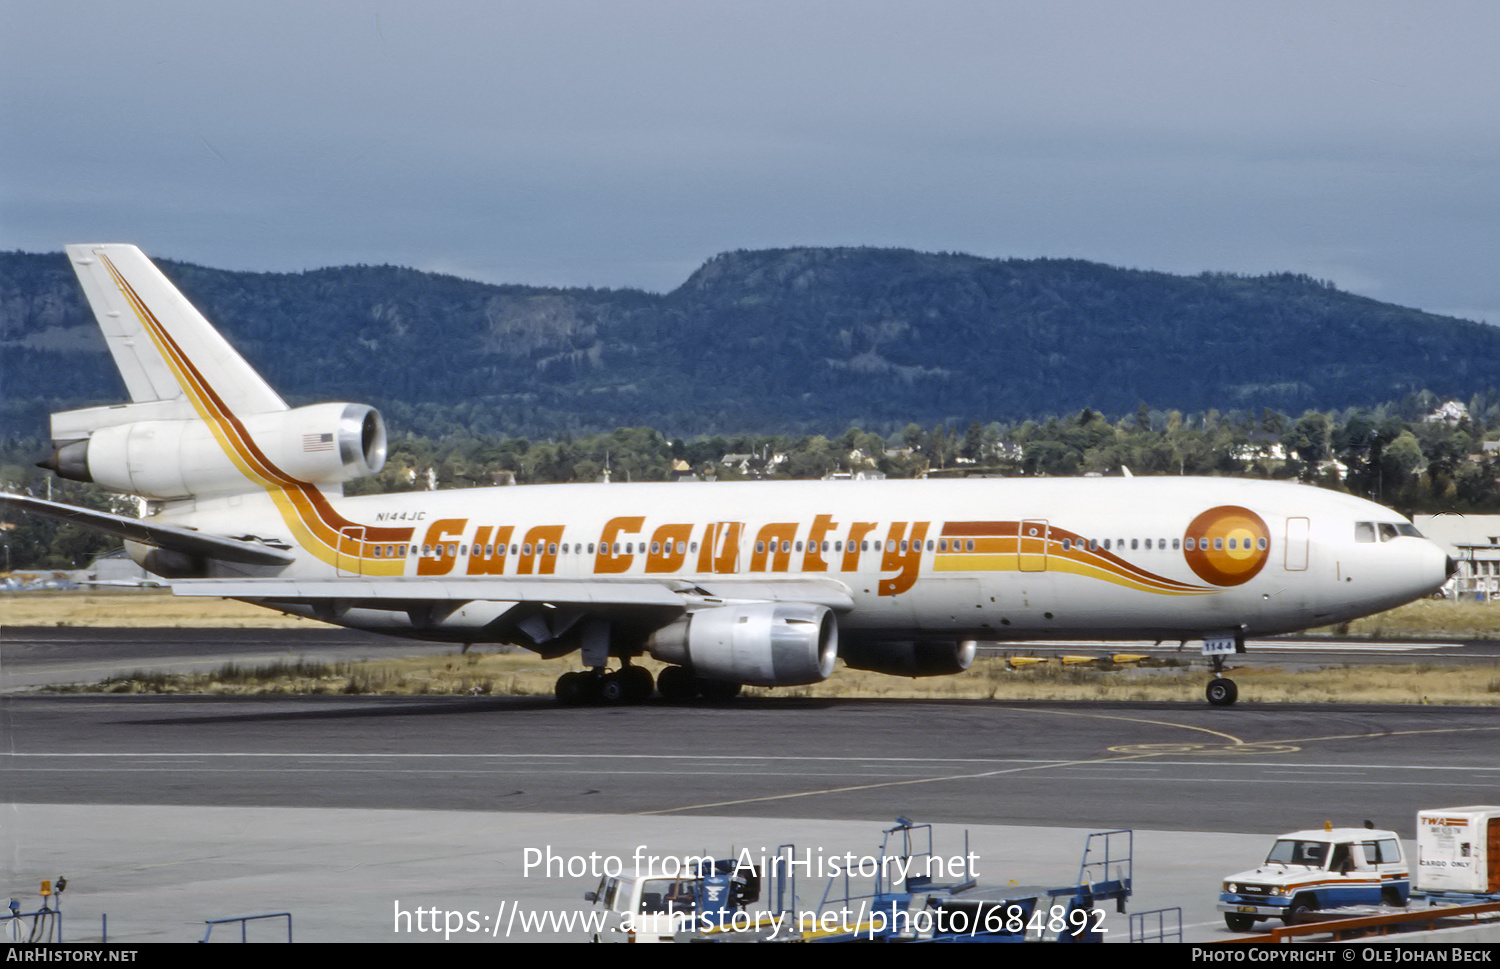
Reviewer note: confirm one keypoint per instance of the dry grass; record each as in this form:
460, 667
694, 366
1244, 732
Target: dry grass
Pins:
132, 608
521, 674
516, 674
1426, 619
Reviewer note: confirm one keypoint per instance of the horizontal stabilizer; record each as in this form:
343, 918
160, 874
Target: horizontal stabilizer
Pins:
173, 537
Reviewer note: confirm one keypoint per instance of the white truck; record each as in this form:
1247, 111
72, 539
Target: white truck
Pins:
1312, 871
652, 907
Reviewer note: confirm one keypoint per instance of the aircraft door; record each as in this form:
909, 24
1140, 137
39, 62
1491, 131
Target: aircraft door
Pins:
349, 558
721, 548
1297, 530
1032, 545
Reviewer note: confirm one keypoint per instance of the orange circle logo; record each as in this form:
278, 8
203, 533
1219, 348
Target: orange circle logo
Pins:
1227, 545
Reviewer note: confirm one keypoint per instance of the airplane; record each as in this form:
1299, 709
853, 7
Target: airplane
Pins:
729, 583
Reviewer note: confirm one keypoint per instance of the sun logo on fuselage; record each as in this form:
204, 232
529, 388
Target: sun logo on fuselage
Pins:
1227, 545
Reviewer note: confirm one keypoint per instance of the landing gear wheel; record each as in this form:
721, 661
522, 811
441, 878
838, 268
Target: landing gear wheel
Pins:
614, 689
1239, 923
640, 684
677, 684
572, 689
629, 684
718, 689
1222, 692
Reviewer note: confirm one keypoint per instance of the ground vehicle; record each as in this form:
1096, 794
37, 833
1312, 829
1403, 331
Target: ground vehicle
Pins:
1311, 871
650, 906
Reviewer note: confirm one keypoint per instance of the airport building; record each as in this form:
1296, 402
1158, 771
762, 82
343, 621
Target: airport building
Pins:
1475, 541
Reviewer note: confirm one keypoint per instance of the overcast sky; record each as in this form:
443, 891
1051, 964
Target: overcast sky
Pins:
624, 143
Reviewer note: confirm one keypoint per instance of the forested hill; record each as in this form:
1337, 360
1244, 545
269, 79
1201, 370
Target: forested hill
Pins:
778, 339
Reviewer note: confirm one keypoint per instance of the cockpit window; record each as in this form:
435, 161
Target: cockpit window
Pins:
1368, 531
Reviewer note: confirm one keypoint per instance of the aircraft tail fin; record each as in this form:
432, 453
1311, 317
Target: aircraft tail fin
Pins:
201, 421
163, 346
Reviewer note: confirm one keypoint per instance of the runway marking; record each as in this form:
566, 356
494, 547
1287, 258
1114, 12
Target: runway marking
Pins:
858, 787
1232, 745
1282, 746
1396, 733
1188, 747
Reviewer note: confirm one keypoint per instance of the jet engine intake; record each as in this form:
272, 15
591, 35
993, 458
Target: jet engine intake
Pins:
758, 644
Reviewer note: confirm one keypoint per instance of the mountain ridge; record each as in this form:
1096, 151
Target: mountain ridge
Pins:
809, 337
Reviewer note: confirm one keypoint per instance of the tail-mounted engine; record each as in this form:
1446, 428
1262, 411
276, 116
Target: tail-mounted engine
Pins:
759, 644
127, 449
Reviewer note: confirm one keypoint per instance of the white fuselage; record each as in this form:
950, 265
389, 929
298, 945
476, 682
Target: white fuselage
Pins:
979, 558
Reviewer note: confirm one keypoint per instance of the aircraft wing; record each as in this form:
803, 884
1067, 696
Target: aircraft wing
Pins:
552, 616
583, 593
174, 537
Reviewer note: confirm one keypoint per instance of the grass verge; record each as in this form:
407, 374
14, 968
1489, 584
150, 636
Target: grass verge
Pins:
508, 674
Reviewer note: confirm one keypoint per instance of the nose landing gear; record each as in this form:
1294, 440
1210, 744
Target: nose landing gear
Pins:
1221, 690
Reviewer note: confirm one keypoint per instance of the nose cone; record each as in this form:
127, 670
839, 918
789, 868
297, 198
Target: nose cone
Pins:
1421, 567
1436, 567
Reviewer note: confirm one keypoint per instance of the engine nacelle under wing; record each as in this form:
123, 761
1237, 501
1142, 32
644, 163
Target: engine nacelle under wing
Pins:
909, 659
759, 644
318, 444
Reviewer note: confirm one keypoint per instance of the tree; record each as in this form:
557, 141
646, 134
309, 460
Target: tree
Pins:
1308, 440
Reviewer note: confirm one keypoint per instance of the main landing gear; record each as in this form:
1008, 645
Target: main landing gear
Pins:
628, 684
633, 684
